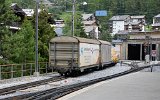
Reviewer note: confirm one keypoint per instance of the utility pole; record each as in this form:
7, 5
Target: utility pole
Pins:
73, 13
36, 73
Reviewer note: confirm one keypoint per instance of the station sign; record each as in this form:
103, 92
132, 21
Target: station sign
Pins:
101, 13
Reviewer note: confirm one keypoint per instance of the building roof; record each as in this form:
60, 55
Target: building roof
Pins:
134, 32
157, 15
119, 17
17, 10
59, 20
58, 25
86, 16
123, 32
88, 29
88, 22
30, 12
156, 24
13, 4
138, 17
147, 32
117, 41
133, 23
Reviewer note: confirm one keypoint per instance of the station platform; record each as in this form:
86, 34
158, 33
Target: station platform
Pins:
135, 86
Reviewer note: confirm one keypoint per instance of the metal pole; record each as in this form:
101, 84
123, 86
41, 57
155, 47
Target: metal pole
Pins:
30, 69
22, 70
36, 47
0, 73
11, 71
150, 48
65, 5
141, 52
73, 13
46, 67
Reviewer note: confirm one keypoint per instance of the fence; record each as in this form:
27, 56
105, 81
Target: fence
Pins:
19, 70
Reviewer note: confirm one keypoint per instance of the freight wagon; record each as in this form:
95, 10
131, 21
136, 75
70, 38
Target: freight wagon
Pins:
74, 54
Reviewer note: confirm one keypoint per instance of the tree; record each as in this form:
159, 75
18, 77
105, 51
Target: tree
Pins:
25, 3
105, 36
7, 16
45, 33
19, 47
79, 30
104, 27
68, 23
28, 41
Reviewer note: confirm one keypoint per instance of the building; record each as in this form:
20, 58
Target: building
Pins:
136, 23
122, 23
58, 27
18, 11
138, 44
90, 25
156, 22
117, 23
15, 26
29, 12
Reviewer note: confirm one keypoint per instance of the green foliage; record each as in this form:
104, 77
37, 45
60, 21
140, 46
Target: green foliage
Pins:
45, 33
28, 41
103, 23
79, 31
19, 47
149, 8
15, 45
7, 16
25, 3
105, 36
68, 23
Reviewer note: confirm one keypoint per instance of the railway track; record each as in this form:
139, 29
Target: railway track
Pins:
13, 89
55, 93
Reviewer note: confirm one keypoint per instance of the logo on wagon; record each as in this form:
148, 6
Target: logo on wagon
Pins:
92, 50
82, 51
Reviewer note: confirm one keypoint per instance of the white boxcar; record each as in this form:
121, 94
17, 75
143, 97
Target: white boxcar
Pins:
68, 54
89, 55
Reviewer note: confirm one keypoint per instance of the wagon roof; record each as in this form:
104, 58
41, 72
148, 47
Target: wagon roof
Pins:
74, 39
104, 42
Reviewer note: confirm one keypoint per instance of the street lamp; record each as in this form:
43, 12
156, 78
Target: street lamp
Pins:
84, 4
36, 73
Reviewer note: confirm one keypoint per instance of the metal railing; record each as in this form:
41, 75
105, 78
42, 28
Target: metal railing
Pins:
20, 70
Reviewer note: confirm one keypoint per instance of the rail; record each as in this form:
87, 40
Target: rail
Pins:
20, 70
55, 93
